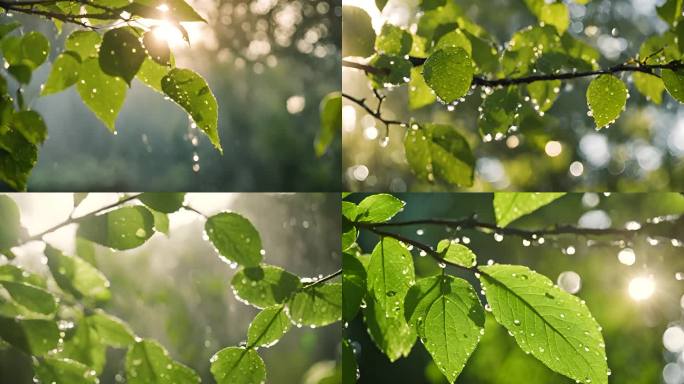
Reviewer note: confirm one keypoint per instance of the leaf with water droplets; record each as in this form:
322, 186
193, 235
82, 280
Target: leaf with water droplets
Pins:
147, 362
353, 286
555, 14
439, 151
265, 285
235, 238
121, 53
674, 83
83, 344
500, 111
85, 43
393, 40
544, 93
449, 72
121, 229
10, 229
349, 230
606, 97
316, 305
35, 337
350, 368
390, 334
551, 324
378, 208
331, 122
64, 73
509, 206
152, 73
420, 93
164, 202
650, 86
189, 90
104, 95
30, 297
77, 276
391, 70
178, 10
456, 253
452, 324
111, 330
58, 370
268, 327
235, 365
157, 49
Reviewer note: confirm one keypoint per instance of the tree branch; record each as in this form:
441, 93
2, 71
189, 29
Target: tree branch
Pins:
377, 114
323, 279
482, 81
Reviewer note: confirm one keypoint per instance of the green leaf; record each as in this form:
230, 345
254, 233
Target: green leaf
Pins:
235, 238
157, 49
452, 325
555, 14
20, 72
349, 230
84, 345
264, 286
392, 70
121, 53
547, 322
439, 151
147, 362
500, 111
191, 92
670, 11
331, 122
7, 28
357, 32
378, 208
393, 40
85, 43
161, 222
77, 276
390, 274
111, 330
350, 370
650, 86
85, 249
268, 327
419, 298
316, 305
353, 286
606, 97
34, 49
509, 206
9, 272
33, 298
178, 10
35, 337
17, 155
235, 365
31, 125
455, 39
543, 94
104, 95
64, 73
381, 4
10, 229
163, 201
456, 253
674, 83
121, 229
151, 74
420, 93
58, 371
449, 72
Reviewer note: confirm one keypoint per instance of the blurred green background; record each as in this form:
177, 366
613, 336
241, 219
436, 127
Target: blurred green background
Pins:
269, 63
177, 291
633, 330
643, 151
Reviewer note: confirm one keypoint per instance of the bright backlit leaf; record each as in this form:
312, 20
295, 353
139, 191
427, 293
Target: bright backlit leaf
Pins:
58, 370
111, 330
331, 122
547, 322
191, 92
420, 93
152, 73
650, 86
393, 40
455, 39
235, 238
157, 49
509, 206
316, 305
103, 94
449, 72
543, 94
235, 365
378, 208
674, 83
357, 32
85, 43
390, 334
438, 151
265, 285
456, 253
147, 362
606, 97
64, 73
123, 228
268, 327
77, 276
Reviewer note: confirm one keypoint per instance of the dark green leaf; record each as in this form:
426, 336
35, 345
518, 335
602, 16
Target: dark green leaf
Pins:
33, 298
393, 70
235, 238
63, 371
353, 286
500, 111
163, 202
157, 49
264, 286
350, 370
121, 53
123, 228
31, 125
234, 365
35, 337
674, 83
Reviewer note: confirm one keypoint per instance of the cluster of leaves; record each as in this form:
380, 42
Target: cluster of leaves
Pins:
115, 44
445, 311
58, 320
445, 57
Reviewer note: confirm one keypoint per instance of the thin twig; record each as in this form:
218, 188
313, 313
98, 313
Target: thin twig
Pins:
375, 113
323, 279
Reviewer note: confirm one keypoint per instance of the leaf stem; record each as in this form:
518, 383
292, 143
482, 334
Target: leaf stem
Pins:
323, 279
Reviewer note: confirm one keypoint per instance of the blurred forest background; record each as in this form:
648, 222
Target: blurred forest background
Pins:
269, 63
644, 338
643, 151
176, 290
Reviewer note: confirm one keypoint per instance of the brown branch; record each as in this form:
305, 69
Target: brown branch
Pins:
375, 113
